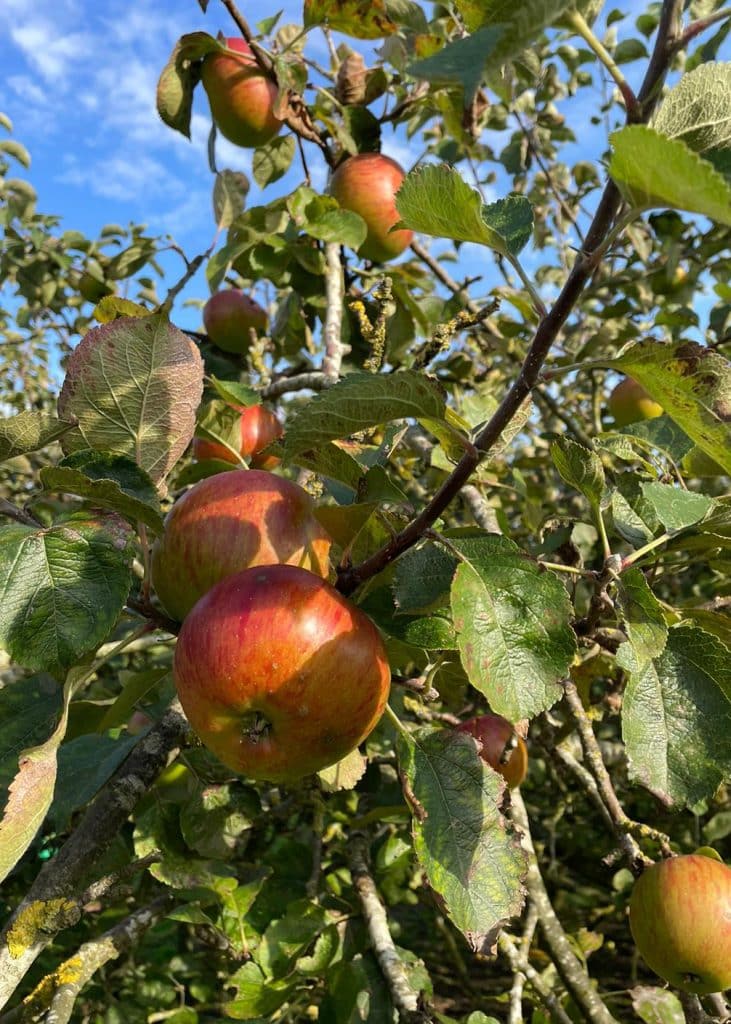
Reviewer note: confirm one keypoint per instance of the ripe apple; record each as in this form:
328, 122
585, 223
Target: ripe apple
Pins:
680, 917
227, 523
367, 184
259, 428
629, 402
279, 674
228, 317
241, 96
502, 748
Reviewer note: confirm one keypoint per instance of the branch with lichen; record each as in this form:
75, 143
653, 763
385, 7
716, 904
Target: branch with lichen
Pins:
517, 956
55, 996
444, 334
54, 901
374, 333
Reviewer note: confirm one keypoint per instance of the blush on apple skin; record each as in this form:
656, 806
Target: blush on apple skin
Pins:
501, 747
259, 428
228, 317
241, 96
680, 918
279, 674
230, 522
367, 184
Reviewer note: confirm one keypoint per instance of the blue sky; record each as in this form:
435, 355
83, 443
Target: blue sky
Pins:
79, 81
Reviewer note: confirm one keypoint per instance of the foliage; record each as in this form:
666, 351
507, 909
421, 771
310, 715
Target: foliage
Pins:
518, 552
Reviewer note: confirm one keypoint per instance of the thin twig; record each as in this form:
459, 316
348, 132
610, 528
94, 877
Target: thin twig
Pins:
405, 999
312, 381
520, 966
568, 965
7, 508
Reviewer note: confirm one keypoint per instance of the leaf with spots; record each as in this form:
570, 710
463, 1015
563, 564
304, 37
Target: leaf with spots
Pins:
676, 717
134, 386
62, 587
470, 855
693, 384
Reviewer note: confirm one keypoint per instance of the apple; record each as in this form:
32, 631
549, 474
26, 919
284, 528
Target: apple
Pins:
228, 317
502, 748
241, 96
367, 184
279, 674
680, 918
227, 523
259, 428
629, 402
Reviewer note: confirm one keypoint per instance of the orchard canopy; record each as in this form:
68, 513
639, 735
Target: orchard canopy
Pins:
365, 543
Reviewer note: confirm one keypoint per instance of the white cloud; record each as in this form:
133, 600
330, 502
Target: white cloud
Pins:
27, 89
54, 55
123, 178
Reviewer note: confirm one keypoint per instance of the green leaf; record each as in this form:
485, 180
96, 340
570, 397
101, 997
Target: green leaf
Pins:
85, 764
580, 468
30, 794
698, 110
435, 200
179, 77
360, 401
62, 587
365, 19
676, 718
513, 623
344, 774
157, 830
17, 150
522, 23
114, 482
430, 632
329, 460
462, 61
656, 1005
134, 385
663, 433
676, 508
29, 431
642, 615
693, 385
651, 170
257, 996
289, 937
423, 578
271, 162
233, 392
214, 820
230, 189
469, 855
29, 709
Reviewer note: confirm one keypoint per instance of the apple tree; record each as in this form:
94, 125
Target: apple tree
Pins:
365, 653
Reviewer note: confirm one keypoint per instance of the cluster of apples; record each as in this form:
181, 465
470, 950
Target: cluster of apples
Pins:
278, 673
243, 102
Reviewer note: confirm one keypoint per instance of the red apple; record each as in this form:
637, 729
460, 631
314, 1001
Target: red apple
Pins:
259, 428
228, 317
279, 674
680, 917
227, 523
367, 184
629, 402
502, 748
241, 96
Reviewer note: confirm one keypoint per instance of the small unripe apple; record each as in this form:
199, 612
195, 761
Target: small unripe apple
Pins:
502, 748
228, 317
279, 674
227, 523
241, 96
680, 917
367, 184
259, 428
629, 402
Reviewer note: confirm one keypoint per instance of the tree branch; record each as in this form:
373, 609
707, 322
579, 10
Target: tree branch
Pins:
521, 967
314, 380
568, 965
54, 900
405, 999
57, 993
332, 332
351, 577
